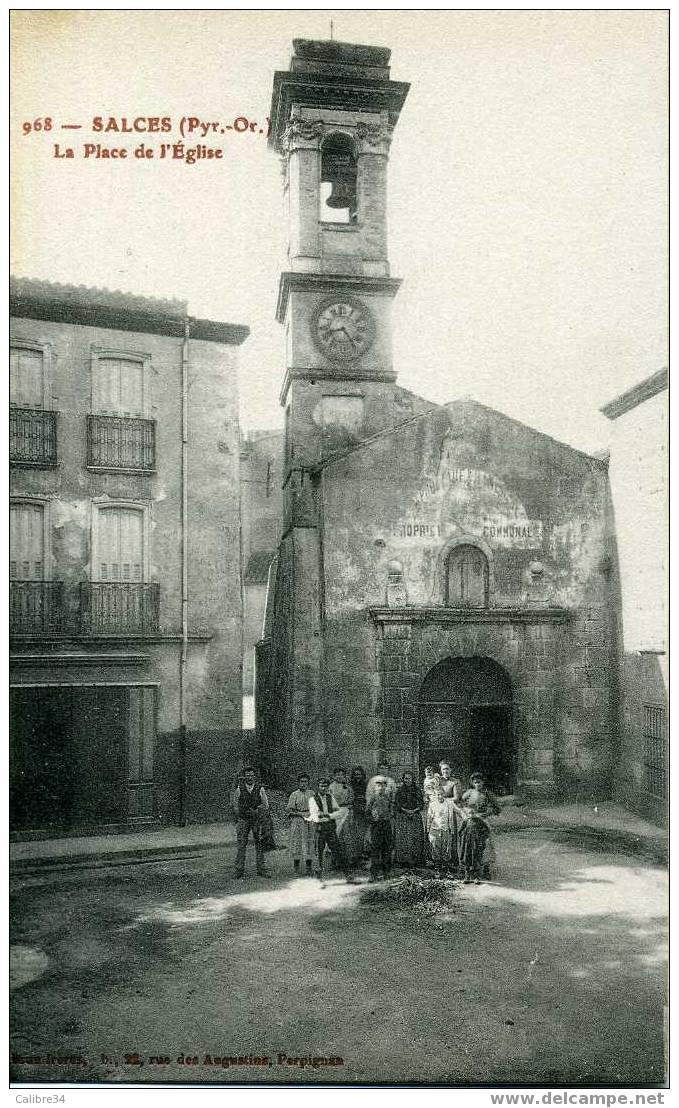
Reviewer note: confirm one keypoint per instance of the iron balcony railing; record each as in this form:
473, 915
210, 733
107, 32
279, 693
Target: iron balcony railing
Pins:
120, 442
32, 436
36, 607
119, 607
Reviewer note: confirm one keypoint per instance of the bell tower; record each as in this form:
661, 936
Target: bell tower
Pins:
332, 117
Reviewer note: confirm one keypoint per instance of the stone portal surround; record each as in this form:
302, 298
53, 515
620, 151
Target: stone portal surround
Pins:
527, 644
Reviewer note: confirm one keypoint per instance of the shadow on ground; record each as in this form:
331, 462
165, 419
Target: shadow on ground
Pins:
553, 977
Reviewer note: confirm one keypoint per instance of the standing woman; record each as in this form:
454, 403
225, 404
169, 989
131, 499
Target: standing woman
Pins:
302, 831
452, 790
356, 827
408, 829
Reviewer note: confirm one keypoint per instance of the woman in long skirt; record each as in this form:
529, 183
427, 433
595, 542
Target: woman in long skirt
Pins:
302, 832
483, 803
453, 789
408, 829
355, 827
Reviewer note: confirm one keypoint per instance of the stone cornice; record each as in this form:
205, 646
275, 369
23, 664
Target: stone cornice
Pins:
61, 641
411, 614
334, 52
306, 134
339, 373
330, 283
646, 389
329, 90
54, 659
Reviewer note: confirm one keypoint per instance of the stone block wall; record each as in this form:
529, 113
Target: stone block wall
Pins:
537, 509
529, 653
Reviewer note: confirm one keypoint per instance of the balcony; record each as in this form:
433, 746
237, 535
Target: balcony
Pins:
36, 607
120, 442
119, 608
32, 436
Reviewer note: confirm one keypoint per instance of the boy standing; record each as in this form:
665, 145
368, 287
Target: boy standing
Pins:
324, 812
476, 842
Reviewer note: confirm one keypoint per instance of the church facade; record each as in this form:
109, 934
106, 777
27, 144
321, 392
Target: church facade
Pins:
444, 582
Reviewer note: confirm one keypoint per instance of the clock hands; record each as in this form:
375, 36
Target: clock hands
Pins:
343, 330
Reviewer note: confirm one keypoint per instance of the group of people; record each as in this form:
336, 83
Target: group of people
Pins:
442, 824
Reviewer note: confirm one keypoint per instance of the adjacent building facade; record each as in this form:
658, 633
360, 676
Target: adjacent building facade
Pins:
261, 478
638, 471
443, 586
125, 594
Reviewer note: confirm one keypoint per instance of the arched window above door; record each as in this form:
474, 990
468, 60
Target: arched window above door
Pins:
467, 577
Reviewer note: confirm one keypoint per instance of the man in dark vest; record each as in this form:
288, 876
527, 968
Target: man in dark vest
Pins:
324, 812
250, 801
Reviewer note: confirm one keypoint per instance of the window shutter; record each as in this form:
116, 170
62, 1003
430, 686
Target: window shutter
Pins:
27, 538
121, 542
119, 386
26, 377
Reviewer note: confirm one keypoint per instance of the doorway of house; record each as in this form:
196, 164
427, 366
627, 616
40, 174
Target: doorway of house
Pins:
465, 714
68, 757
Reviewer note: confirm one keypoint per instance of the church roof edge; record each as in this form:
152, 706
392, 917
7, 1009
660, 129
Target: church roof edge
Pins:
468, 401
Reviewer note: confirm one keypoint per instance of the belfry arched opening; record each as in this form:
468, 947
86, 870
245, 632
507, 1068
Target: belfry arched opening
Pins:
465, 718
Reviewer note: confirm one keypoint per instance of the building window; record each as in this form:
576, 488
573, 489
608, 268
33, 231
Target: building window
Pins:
26, 377
289, 448
27, 542
118, 386
35, 603
339, 174
467, 578
32, 428
119, 599
118, 437
120, 544
655, 769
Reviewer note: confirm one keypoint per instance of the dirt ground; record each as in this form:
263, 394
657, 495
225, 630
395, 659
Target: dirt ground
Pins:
553, 974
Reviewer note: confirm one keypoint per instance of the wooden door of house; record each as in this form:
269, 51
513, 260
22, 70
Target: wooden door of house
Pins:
68, 757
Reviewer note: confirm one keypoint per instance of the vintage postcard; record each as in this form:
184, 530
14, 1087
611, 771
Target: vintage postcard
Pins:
338, 552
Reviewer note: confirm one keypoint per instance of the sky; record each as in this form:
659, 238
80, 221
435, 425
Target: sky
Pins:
527, 190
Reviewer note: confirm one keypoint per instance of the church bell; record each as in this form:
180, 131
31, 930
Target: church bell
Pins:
342, 194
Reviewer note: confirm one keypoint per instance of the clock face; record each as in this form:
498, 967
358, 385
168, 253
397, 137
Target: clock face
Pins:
343, 329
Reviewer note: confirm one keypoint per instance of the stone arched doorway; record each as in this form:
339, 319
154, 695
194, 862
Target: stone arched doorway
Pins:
465, 718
